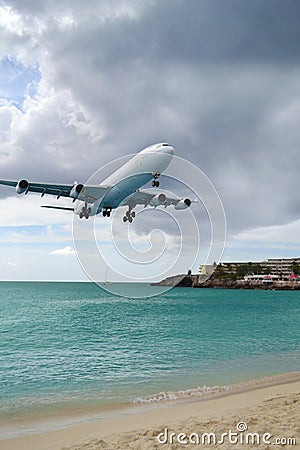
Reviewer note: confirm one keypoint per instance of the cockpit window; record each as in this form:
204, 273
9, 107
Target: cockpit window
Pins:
165, 145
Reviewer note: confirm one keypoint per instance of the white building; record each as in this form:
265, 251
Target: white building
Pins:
283, 267
262, 278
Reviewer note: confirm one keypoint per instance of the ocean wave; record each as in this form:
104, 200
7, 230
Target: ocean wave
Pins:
175, 395
206, 391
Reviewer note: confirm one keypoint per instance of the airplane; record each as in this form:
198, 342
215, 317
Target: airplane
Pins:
122, 188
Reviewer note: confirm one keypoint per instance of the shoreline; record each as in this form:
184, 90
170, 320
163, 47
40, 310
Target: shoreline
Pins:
78, 428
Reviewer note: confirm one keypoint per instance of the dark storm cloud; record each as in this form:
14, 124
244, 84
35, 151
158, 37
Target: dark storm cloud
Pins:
231, 31
198, 32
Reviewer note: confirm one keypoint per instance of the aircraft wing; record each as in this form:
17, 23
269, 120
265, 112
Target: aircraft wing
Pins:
89, 193
154, 198
92, 193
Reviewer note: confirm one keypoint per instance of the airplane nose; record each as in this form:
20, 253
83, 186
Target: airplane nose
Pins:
169, 150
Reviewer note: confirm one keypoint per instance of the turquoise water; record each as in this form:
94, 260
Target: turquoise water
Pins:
69, 344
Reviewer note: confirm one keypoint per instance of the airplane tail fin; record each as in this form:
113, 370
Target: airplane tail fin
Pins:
58, 207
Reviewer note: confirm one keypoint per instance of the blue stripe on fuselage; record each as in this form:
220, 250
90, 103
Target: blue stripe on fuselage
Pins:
123, 189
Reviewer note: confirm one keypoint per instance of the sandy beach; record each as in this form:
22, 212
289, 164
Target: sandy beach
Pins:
265, 414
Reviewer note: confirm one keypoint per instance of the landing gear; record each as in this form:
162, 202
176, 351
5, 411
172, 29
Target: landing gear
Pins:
155, 182
129, 215
85, 212
106, 212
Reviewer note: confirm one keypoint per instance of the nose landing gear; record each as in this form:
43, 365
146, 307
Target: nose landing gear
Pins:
155, 182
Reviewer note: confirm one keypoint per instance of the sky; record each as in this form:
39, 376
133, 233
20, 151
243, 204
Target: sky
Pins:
84, 83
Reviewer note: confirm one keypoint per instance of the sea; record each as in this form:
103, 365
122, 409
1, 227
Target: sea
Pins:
76, 347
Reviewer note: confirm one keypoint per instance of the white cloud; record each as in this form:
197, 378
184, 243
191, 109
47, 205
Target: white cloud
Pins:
13, 263
25, 210
52, 135
66, 251
286, 234
10, 20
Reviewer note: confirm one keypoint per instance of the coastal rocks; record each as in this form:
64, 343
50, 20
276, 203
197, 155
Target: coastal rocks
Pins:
179, 281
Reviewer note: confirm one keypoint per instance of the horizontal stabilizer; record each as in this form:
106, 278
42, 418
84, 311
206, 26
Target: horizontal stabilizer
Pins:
58, 207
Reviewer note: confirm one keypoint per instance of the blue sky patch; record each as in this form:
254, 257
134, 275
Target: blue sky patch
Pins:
16, 80
33, 231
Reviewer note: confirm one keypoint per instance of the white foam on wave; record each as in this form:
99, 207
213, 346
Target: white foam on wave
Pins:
176, 395
207, 391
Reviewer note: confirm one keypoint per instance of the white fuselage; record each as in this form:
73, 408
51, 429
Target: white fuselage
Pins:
131, 176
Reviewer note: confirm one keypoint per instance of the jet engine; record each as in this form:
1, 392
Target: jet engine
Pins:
183, 204
158, 199
77, 188
22, 186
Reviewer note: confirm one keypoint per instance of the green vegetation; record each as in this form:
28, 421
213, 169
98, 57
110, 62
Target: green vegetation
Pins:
296, 268
239, 271
223, 274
